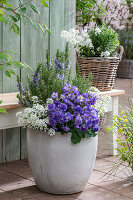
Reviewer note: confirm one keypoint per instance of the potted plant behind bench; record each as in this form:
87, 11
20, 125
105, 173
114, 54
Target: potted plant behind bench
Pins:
62, 126
125, 68
96, 53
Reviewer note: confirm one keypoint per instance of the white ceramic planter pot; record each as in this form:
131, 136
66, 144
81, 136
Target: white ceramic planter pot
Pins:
57, 165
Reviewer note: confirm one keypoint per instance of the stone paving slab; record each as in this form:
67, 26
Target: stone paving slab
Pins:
16, 183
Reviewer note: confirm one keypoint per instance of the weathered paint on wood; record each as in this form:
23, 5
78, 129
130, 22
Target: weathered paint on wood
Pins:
23, 153
32, 47
11, 144
1, 148
57, 19
70, 21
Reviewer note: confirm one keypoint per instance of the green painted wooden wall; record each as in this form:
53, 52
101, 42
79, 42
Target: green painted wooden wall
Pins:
32, 47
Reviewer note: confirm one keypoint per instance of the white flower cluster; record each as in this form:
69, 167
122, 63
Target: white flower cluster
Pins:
76, 39
36, 117
105, 54
117, 12
102, 102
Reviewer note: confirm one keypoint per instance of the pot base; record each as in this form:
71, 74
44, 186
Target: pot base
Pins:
57, 165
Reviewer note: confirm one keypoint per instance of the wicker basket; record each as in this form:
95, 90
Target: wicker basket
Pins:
103, 70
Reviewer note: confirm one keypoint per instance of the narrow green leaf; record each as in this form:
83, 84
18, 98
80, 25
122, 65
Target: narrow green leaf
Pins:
8, 74
2, 19
23, 64
44, 32
12, 71
34, 24
44, 3
15, 28
34, 8
2, 110
22, 10
2, 12
3, 56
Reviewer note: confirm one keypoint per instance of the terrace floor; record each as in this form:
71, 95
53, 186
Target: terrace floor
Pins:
16, 183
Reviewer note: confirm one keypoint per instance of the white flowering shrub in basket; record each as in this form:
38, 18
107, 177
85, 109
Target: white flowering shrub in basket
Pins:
97, 53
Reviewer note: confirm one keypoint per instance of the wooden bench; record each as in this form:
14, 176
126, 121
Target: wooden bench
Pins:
10, 103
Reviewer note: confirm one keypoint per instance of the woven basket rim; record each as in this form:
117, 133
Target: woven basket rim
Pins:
99, 58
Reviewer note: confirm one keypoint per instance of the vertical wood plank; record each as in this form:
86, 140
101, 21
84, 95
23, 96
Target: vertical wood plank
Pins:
70, 22
11, 137
1, 49
23, 143
34, 45
1, 151
11, 145
56, 26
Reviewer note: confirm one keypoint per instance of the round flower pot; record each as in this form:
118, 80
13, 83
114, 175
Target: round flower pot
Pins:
57, 165
125, 69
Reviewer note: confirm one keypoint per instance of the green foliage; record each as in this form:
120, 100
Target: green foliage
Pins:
123, 124
104, 41
2, 110
48, 78
82, 83
11, 15
126, 40
86, 12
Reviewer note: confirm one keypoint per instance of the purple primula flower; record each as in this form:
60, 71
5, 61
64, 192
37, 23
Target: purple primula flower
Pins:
84, 127
66, 88
95, 128
68, 117
63, 96
54, 95
57, 103
60, 117
89, 123
79, 99
85, 95
52, 122
72, 105
78, 120
52, 107
65, 128
75, 90
85, 116
78, 108
71, 96
93, 113
96, 121
62, 107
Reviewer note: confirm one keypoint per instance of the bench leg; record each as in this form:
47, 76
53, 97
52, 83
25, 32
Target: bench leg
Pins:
113, 136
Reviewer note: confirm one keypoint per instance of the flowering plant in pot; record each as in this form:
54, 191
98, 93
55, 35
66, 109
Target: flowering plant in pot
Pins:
64, 109
96, 53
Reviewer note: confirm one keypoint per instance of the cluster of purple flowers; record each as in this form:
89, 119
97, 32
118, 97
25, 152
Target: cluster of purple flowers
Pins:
72, 109
36, 78
61, 65
20, 87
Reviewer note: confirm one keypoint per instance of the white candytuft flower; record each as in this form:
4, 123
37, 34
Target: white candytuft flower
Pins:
105, 54
97, 30
51, 132
35, 117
